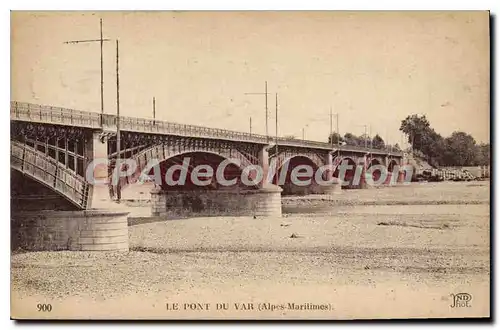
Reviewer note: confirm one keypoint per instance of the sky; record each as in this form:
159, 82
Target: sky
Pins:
370, 68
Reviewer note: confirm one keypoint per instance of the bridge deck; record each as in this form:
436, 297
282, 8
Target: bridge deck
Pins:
22, 111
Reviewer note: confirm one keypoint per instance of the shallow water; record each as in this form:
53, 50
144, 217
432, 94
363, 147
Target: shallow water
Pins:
472, 209
464, 198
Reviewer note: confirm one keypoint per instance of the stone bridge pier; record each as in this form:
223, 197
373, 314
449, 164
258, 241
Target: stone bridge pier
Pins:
246, 192
97, 171
304, 172
334, 187
52, 202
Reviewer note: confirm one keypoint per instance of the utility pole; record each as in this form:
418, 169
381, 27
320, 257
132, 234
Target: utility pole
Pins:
154, 110
338, 131
386, 145
102, 71
366, 146
250, 125
370, 136
267, 111
101, 41
387, 141
338, 136
276, 124
303, 135
118, 138
331, 127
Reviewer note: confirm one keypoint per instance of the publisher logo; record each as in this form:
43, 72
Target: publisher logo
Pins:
460, 300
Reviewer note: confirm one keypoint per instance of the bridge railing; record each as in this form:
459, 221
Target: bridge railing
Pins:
50, 172
301, 143
163, 127
64, 116
326, 145
371, 150
56, 115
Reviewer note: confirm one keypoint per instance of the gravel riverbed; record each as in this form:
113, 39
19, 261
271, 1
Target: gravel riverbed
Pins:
362, 260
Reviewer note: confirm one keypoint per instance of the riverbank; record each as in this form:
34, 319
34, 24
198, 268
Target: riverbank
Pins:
360, 261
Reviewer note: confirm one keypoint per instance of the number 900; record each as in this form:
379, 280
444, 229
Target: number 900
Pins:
44, 307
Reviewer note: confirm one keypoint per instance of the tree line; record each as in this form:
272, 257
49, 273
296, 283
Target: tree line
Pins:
458, 149
362, 141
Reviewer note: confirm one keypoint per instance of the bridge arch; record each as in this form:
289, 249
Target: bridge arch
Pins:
167, 155
377, 172
373, 161
347, 180
289, 161
392, 163
312, 158
47, 171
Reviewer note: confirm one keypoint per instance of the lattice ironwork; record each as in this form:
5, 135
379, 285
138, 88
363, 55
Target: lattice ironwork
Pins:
286, 156
162, 152
50, 173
